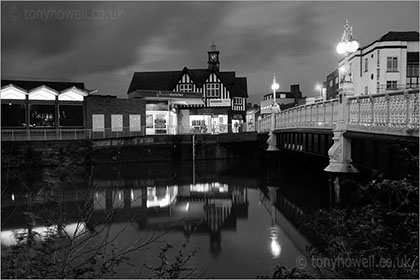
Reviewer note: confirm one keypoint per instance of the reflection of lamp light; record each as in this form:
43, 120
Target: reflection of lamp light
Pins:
275, 248
187, 207
275, 244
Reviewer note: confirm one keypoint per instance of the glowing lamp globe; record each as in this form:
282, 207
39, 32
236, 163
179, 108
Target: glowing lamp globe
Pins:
275, 86
341, 48
353, 46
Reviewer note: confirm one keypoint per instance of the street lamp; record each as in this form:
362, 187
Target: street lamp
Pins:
345, 47
275, 86
318, 87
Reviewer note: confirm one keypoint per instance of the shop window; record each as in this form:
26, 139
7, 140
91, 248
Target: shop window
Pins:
135, 122
116, 123
71, 115
42, 115
13, 115
98, 122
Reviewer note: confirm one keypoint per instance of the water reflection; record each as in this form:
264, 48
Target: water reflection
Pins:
243, 227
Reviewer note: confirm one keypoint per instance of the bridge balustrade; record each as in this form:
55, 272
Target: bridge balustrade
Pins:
393, 113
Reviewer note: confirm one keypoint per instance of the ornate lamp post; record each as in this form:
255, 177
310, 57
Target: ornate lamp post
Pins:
275, 86
340, 152
275, 108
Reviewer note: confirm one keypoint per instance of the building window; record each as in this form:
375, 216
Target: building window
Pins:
13, 115
135, 122
412, 82
331, 83
185, 87
391, 84
412, 70
336, 80
98, 122
366, 64
237, 101
71, 115
392, 64
366, 90
213, 90
42, 115
116, 122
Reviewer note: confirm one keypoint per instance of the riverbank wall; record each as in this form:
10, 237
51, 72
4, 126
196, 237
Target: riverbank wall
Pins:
133, 149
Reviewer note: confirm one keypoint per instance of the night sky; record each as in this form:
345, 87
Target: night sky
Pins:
295, 40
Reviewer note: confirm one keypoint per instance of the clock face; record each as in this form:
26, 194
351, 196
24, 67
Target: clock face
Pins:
213, 57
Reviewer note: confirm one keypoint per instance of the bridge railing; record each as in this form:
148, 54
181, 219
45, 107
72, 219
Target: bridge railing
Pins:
387, 111
394, 112
319, 115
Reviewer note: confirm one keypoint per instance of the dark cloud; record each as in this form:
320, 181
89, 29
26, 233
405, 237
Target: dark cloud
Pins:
295, 40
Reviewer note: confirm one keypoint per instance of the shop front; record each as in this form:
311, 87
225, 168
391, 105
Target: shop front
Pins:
208, 121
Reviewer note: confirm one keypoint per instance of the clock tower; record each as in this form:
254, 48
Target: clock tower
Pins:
213, 58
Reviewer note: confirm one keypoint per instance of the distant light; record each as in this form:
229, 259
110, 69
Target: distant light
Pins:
119, 195
187, 206
132, 194
13, 197
318, 87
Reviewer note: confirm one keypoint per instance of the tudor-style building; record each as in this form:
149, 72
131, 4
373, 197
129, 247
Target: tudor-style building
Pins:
192, 100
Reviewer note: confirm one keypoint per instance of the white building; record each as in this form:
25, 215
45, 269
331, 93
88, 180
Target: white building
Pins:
387, 64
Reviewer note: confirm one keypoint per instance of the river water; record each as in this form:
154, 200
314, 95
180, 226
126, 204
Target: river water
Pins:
238, 217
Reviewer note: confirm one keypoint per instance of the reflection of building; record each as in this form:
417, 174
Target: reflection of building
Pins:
192, 100
42, 104
387, 64
284, 98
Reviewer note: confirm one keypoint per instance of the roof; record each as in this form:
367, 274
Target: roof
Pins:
29, 85
408, 36
167, 80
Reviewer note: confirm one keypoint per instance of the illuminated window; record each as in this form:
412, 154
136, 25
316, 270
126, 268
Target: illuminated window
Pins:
98, 122
42, 115
116, 122
392, 64
135, 123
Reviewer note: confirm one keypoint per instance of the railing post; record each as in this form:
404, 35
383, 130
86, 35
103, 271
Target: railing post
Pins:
340, 151
387, 109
